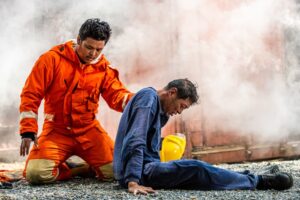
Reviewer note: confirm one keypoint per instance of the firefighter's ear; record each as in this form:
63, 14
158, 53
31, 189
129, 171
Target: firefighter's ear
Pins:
78, 40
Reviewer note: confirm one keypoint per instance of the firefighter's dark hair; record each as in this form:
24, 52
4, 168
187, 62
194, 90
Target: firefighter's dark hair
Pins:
96, 29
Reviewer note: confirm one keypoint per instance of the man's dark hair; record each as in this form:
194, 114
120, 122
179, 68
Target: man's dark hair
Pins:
96, 29
185, 89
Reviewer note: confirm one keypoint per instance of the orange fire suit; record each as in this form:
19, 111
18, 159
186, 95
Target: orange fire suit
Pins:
71, 92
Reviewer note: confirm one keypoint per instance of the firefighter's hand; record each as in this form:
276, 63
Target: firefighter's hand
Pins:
135, 188
25, 145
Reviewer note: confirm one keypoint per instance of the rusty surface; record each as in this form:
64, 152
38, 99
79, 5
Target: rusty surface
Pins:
216, 146
239, 153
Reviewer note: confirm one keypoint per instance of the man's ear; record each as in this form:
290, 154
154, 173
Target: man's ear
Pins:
173, 91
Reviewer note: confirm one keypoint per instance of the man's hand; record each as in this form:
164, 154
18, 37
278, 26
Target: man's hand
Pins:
25, 145
135, 188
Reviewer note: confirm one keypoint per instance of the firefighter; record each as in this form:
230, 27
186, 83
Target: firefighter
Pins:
137, 164
70, 78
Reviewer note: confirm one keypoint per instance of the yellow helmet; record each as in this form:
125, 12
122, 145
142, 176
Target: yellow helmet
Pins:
173, 147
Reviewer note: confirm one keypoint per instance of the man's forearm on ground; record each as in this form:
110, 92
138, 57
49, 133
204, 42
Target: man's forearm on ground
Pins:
134, 167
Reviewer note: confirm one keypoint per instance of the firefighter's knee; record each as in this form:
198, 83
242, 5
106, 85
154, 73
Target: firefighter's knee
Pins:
39, 171
107, 172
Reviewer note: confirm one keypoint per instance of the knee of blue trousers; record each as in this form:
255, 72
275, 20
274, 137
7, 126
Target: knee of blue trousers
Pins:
39, 171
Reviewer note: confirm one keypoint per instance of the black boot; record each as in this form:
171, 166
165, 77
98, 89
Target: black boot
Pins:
6, 185
277, 181
271, 169
81, 169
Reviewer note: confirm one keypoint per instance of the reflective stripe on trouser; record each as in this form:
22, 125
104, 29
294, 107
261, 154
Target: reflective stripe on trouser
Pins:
46, 162
194, 174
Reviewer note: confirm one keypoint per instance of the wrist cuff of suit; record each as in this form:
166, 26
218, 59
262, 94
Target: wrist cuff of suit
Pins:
30, 135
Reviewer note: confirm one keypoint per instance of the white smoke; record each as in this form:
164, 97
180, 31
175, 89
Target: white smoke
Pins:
242, 66
241, 53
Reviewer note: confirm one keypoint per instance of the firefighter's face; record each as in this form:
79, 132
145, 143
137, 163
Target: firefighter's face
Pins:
89, 49
172, 105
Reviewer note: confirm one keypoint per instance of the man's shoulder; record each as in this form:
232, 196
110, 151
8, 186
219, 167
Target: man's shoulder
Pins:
146, 97
148, 91
49, 56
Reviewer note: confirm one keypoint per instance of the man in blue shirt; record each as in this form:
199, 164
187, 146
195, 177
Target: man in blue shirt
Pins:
137, 163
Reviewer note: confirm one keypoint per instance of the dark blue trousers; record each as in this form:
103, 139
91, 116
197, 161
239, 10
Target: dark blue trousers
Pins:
195, 174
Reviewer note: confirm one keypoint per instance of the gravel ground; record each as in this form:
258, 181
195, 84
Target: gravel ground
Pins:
78, 188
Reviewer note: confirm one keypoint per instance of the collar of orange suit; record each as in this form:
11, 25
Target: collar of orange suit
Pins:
68, 51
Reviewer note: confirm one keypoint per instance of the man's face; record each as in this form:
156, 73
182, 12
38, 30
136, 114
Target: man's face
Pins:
172, 105
89, 49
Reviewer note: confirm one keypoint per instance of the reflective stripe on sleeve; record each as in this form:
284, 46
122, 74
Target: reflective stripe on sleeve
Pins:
48, 117
28, 114
124, 101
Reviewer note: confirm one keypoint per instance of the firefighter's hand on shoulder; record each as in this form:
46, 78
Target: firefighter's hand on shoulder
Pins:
135, 188
27, 138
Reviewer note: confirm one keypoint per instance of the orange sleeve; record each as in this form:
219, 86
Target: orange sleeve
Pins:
33, 92
114, 92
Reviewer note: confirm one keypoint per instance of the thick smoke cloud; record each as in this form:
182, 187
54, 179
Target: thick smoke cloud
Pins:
242, 54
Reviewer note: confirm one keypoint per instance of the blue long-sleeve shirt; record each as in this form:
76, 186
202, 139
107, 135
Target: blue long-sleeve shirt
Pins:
139, 135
